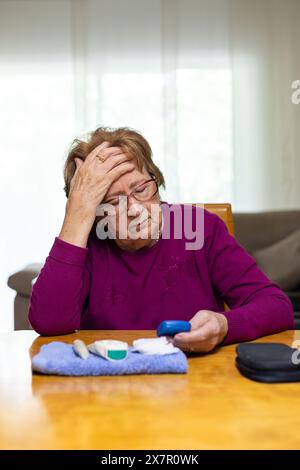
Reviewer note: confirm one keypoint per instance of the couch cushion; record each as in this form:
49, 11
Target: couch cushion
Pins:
21, 281
281, 261
258, 230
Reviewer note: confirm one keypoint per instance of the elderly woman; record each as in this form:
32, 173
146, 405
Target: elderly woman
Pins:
138, 277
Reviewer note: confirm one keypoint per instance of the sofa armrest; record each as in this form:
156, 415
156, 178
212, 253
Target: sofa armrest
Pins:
21, 281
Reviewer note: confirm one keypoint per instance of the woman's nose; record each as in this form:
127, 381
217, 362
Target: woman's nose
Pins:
134, 207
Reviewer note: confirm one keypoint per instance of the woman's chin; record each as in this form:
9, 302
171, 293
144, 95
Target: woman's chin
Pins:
135, 241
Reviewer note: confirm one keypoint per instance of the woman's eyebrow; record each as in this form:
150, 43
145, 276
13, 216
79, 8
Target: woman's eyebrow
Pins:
132, 185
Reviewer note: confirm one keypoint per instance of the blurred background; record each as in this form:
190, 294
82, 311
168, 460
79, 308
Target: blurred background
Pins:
207, 82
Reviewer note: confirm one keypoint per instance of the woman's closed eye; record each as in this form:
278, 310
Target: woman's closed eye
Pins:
140, 190
113, 202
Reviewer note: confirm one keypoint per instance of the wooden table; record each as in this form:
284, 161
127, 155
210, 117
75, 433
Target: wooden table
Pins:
212, 406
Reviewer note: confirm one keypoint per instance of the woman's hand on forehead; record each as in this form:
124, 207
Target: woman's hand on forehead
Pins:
93, 176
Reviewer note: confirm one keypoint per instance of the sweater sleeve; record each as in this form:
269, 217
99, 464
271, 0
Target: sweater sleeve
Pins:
258, 306
60, 290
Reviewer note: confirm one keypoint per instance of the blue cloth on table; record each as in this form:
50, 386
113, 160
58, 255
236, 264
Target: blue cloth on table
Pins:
60, 359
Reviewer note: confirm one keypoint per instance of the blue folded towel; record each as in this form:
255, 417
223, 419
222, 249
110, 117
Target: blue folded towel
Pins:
60, 359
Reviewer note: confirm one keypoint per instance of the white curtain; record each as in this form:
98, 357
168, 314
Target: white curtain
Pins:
207, 82
266, 124
162, 67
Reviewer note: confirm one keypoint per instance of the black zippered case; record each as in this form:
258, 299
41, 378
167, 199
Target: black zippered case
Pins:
268, 362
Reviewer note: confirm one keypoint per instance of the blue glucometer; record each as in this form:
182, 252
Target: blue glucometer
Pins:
172, 327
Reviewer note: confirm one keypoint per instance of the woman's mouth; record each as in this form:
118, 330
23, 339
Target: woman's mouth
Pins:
140, 227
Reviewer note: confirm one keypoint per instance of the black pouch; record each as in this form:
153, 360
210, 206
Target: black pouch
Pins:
268, 362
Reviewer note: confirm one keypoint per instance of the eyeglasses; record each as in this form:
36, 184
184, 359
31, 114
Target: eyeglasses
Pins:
143, 192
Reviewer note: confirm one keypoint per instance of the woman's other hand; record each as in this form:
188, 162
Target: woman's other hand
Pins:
208, 330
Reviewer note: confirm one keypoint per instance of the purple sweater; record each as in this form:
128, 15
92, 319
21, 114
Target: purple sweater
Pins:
105, 287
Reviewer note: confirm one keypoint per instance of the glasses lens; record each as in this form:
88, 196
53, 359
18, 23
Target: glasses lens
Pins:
146, 191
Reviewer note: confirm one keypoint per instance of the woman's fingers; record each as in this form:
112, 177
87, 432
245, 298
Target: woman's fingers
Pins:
99, 149
110, 152
119, 170
115, 160
193, 336
105, 169
197, 332
200, 318
208, 330
199, 341
105, 151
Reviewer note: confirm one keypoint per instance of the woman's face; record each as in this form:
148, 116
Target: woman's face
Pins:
136, 223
